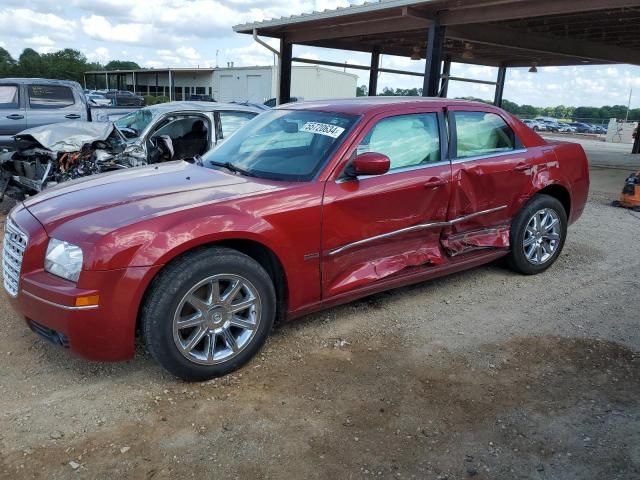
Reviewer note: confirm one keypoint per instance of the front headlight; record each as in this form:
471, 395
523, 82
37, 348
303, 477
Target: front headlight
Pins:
63, 259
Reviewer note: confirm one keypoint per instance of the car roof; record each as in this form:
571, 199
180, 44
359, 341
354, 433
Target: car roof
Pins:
200, 106
49, 81
373, 105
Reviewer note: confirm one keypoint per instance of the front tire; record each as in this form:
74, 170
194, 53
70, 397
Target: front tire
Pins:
537, 235
208, 313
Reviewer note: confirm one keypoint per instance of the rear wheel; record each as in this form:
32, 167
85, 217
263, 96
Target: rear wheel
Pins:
208, 313
537, 235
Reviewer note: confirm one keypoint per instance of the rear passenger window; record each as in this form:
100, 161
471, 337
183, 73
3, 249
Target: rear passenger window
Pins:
8, 96
408, 140
50, 96
482, 133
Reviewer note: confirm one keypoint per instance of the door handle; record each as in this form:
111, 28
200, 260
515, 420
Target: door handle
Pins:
521, 167
435, 182
15, 116
72, 116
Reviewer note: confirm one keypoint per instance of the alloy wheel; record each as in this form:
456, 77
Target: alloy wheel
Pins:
216, 319
542, 236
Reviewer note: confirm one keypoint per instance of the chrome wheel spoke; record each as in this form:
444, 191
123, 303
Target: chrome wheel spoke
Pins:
191, 321
236, 321
195, 338
232, 292
553, 223
243, 305
211, 347
228, 338
552, 236
215, 292
529, 241
199, 304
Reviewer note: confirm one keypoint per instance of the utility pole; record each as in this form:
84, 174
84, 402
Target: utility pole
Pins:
629, 105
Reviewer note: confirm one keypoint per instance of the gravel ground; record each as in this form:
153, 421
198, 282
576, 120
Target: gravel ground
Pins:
484, 374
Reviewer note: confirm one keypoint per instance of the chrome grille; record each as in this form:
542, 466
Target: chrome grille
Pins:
13, 247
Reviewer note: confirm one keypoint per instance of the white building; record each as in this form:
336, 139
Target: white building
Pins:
254, 84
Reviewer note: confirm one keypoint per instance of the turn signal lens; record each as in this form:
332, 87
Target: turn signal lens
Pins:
87, 301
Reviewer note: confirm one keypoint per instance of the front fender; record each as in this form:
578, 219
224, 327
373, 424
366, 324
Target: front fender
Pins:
158, 241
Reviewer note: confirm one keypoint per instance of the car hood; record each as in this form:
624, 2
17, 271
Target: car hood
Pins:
93, 206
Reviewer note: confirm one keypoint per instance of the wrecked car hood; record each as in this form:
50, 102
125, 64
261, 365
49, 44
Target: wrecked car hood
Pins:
67, 136
96, 205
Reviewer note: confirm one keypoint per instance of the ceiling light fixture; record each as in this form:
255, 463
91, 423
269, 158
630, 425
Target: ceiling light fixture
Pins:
415, 53
467, 54
534, 67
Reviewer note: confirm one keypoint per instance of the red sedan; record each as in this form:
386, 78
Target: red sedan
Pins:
307, 206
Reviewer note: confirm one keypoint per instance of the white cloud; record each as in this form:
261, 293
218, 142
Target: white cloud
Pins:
100, 28
251, 55
189, 53
40, 40
100, 54
25, 23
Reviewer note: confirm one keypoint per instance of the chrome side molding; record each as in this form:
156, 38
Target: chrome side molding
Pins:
421, 226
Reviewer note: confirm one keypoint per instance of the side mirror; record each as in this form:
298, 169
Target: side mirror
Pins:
370, 163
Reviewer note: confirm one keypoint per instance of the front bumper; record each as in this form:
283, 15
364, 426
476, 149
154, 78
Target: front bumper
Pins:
104, 332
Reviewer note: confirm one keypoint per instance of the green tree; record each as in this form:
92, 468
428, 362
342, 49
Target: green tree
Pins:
121, 65
586, 112
7, 64
30, 64
362, 91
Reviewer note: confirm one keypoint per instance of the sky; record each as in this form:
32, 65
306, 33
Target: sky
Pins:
190, 33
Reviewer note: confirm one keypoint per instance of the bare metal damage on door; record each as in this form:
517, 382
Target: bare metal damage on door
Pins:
497, 237
414, 255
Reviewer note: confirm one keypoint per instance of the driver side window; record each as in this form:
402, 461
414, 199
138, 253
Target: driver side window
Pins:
408, 140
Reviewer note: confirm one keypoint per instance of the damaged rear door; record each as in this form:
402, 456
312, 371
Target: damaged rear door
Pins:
490, 175
379, 226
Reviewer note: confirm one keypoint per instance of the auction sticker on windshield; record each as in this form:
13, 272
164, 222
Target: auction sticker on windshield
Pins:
327, 129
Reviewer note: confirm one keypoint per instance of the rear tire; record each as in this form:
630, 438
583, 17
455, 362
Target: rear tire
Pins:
208, 313
537, 235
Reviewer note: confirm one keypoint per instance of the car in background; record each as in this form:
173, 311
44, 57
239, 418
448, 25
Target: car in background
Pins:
566, 128
197, 97
123, 98
583, 127
272, 101
53, 154
97, 99
535, 125
306, 207
551, 125
32, 102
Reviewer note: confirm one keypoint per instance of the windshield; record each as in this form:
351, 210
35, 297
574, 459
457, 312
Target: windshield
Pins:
136, 121
283, 144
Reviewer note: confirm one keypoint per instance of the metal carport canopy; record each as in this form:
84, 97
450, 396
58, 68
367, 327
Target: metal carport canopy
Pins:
498, 33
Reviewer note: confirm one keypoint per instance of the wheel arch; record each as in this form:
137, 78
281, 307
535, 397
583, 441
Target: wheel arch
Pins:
560, 193
259, 252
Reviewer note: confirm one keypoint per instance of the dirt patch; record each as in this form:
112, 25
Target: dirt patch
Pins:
542, 407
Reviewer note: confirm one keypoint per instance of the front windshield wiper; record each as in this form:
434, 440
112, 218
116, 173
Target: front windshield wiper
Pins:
231, 167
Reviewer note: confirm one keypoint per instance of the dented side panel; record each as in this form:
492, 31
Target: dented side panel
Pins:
381, 226
475, 240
